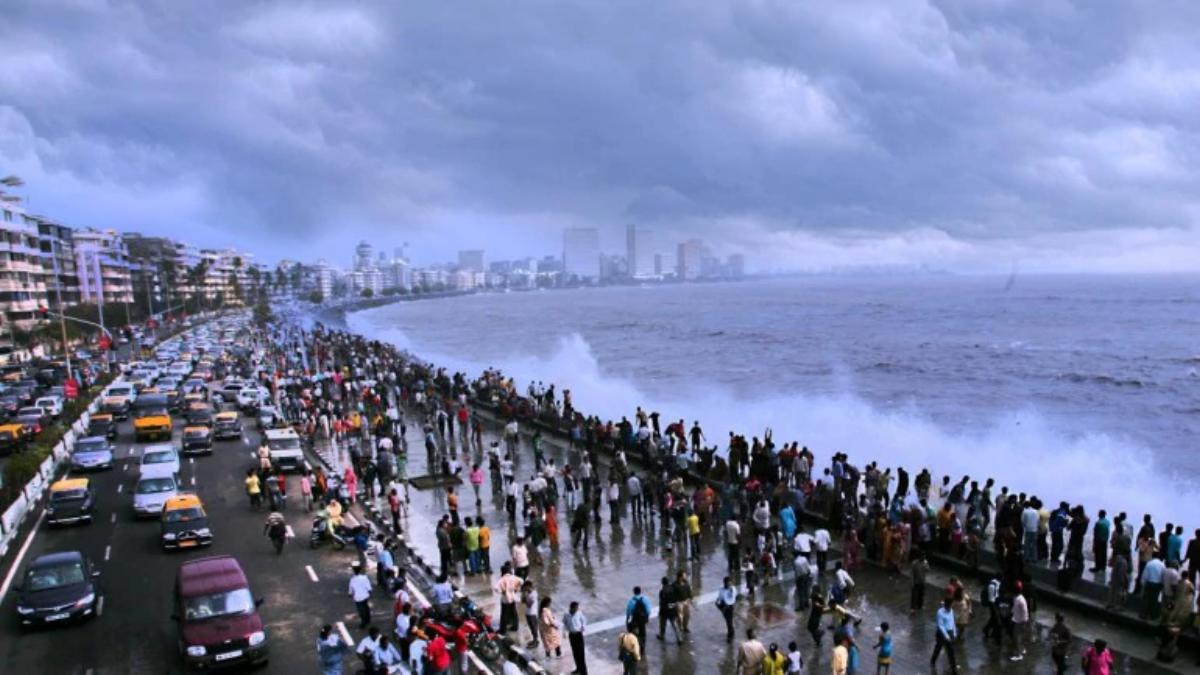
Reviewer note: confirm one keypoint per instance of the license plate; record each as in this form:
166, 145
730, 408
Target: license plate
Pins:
187, 543
228, 655
58, 617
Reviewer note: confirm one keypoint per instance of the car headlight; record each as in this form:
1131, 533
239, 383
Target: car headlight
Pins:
25, 610
168, 535
49, 510
196, 650
257, 638
204, 532
86, 600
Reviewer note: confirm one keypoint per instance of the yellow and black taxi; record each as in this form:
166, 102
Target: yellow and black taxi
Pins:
151, 420
184, 523
12, 438
197, 440
102, 424
72, 500
227, 425
198, 413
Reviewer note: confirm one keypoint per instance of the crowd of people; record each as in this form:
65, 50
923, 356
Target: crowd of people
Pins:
770, 505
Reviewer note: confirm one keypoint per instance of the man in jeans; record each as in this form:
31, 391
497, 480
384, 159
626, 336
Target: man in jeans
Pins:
945, 636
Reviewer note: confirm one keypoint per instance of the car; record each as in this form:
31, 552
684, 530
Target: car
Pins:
72, 500
217, 615
227, 425
153, 489
92, 453
250, 398
35, 411
102, 424
195, 386
13, 438
117, 406
285, 448
53, 405
268, 417
159, 457
57, 588
9, 403
151, 418
198, 414
184, 523
124, 389
32, 422
196, 440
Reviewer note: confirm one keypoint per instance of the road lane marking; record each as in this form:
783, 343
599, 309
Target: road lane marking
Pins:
345, 634
113, 519
193, 481
312, 574
191, 460
16, 564
100, 606
121, 487
290, 533
107, 552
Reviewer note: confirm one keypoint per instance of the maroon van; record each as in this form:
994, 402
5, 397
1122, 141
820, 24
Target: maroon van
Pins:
217, 615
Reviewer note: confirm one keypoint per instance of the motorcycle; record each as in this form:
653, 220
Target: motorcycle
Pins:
464, 616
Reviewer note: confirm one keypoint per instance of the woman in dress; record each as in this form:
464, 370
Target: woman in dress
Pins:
548, 626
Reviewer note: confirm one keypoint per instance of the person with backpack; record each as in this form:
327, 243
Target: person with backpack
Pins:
276, 529
637, 615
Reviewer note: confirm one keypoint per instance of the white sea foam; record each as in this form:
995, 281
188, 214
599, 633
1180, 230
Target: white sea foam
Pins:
1019, 448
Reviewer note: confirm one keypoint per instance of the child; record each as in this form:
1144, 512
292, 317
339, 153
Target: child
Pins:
884, 663
768, 565
748, 571
795, 662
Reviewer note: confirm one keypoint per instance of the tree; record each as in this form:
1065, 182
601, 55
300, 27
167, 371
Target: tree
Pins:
316, 297
368, 293
280, 279
390, 291
262, 312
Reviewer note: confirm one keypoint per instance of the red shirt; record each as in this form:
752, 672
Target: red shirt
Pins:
437, 653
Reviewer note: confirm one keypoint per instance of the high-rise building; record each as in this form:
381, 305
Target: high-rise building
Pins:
471, 261
639, 252
102, 263
57, 244
690, 259
364, 255
22, 275
581, 252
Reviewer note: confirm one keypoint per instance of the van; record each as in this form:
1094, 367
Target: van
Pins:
217, 616
286, 450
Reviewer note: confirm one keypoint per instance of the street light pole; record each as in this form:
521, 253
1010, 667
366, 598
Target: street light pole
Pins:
62, 323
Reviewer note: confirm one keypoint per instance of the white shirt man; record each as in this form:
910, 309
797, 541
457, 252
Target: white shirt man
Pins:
802, 544
360, 587
733, 532
821, 540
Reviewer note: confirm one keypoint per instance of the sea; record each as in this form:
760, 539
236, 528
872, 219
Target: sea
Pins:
1078, 388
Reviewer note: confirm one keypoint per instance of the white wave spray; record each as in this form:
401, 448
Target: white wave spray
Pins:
1020, 449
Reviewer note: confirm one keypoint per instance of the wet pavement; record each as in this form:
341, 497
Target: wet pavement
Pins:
633, 553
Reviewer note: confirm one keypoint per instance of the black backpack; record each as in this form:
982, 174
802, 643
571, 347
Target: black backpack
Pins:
640, 615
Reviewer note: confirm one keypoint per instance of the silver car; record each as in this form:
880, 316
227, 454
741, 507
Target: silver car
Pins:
159, 458
92, 453
152, 491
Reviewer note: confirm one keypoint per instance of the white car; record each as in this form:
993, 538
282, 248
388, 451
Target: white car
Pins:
123, 389
53, 405
161, 458
249, 398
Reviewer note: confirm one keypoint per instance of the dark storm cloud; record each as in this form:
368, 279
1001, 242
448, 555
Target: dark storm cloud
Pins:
866, 130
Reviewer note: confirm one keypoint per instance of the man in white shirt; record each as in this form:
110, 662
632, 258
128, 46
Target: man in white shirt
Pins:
821, 541
634, 486
359, 590
803, 581
367, 647
1029, 529
575, 623
802, 543
733, 536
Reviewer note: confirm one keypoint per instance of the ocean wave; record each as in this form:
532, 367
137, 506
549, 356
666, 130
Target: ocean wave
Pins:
1019, 448
1102, 379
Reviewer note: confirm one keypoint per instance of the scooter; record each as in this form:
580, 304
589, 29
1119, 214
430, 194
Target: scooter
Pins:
322, 533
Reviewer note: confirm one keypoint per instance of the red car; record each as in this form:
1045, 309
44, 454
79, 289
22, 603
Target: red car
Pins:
217, 615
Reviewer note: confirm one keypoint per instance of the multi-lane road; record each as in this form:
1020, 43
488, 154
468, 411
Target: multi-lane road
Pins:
133, 633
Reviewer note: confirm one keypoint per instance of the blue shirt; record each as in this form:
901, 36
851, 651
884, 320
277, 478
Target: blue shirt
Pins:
1153, 572
945, 622
443, 593
1174, 548
885, 645
633, 602
385, 559
727, 597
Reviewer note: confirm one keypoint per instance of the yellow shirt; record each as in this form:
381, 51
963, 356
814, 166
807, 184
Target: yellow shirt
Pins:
485, 537
841, 660
774, 665
693, 524
252, 485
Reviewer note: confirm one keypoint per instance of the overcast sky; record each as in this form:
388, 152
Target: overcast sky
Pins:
967, 135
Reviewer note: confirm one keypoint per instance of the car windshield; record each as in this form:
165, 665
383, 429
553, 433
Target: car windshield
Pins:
158, 457
153, 486
67, 495
183, 515
285, 444
197, 433
91, 445
153, 412
119, 391
219, 604
54, 576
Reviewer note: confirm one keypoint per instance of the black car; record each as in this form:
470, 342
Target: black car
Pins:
199, 416
102, 425
227, 425
57, 588
197, 439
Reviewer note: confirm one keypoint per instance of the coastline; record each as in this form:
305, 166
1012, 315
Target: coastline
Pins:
1087, 595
